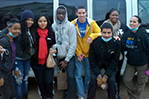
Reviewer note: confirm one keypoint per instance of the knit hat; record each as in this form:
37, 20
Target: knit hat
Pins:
26, 14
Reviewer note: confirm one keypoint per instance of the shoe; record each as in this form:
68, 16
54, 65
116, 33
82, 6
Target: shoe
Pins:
119, 97
81, 98
64, 95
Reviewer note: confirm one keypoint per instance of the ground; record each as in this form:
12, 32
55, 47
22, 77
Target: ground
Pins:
100, 94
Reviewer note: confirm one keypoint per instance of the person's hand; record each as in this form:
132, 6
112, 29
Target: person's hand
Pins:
104, 79
117, 38
1, 82
17, 72
89, 40
1, 49
63, 64
52, 51
99, 80
121, 56
80, 58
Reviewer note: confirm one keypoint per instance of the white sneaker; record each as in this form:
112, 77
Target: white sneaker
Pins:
81, 98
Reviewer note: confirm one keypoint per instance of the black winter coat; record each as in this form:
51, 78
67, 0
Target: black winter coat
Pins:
50, 41
137, 47
6, 61
104, 55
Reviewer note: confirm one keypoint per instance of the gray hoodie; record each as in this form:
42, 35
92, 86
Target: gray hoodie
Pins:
66, 38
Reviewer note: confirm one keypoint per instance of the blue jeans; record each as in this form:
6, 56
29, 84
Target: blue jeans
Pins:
82, 88
22, 81
71, 79
71, 82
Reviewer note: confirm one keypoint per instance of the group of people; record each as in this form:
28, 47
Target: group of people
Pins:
80, 44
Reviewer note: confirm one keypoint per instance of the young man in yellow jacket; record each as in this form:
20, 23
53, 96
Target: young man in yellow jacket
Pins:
85, 27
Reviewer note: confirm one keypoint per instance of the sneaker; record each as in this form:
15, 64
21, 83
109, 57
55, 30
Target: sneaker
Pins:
81, 98
64, 94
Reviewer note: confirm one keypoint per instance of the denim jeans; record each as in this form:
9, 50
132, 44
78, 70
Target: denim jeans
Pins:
71, 79
82, 88
22, 80
71, 82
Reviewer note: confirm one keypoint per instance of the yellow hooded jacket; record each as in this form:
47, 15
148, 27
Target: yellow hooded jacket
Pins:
91, 28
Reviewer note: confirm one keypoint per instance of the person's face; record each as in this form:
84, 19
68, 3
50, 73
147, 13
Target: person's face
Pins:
29, 22
114, 16
134, 23
15, 29
106, 33
42, 22
61, 13
81, 13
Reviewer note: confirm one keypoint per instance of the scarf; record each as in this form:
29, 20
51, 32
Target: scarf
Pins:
116, 26
43, 49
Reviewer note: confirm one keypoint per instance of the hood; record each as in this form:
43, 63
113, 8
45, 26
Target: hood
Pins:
66, 17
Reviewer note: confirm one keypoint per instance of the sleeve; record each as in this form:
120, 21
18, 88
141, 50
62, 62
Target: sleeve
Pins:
78, 51
113, 66
5, 67
53, 36
145, 43
96, 31
123, 43
50, 39
4, 32
72, 43
93, 60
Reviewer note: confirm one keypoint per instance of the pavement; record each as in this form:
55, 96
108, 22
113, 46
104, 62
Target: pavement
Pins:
100, 94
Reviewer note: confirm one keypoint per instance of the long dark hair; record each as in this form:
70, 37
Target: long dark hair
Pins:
24, 41
48, 21
139, 19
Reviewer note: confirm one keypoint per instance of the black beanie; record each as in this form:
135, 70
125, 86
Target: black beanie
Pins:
26, 14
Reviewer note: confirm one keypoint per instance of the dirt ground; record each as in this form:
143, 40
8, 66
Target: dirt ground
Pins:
100, 94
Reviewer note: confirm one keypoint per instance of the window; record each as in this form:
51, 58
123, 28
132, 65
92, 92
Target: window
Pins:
101, 7
72, 5
17, 6
144, 12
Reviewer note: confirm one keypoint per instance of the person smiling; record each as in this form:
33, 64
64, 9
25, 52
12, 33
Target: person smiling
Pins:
136, 43
7, 82
45, 38
25, 49
66, 42
117, 25
85, 26
104, 54
118, 30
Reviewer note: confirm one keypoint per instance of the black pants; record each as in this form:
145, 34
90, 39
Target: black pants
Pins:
44, 77
112, 86
8, 90
118, 74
